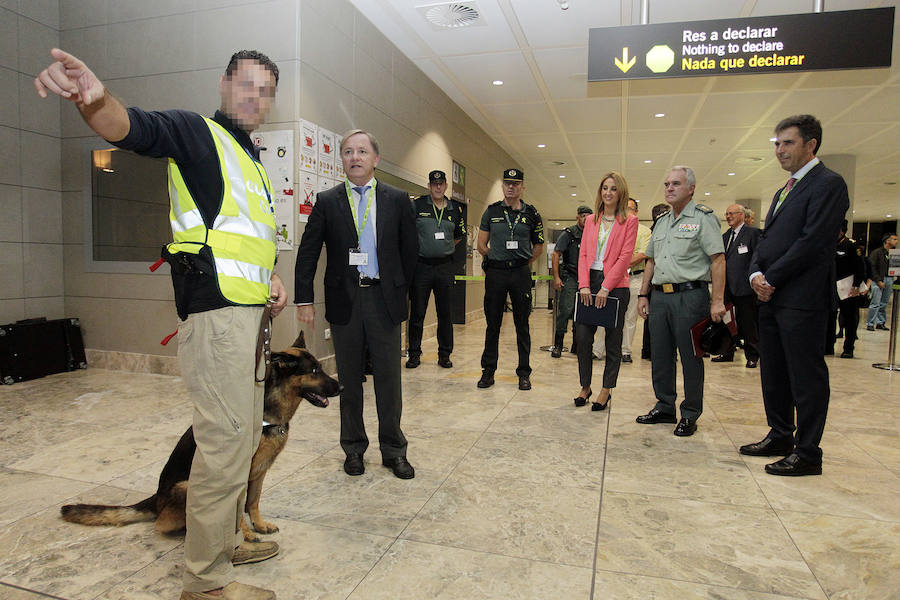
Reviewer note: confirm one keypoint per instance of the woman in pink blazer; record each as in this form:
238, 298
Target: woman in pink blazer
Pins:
606, 248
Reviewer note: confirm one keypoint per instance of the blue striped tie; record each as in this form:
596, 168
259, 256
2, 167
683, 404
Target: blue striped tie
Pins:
367, 237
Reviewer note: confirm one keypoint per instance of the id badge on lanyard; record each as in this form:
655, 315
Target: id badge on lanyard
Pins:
358, 257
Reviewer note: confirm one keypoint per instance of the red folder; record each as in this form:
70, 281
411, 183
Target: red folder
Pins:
698, 327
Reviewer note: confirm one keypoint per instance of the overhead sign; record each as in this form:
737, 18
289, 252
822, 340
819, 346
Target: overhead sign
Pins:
850, 39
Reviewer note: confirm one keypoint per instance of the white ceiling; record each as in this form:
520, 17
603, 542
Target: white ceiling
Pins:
717, 125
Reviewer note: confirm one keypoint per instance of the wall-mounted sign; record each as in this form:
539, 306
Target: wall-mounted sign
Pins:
850, 39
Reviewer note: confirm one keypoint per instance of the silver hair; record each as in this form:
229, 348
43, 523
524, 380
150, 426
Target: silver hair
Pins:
688, 173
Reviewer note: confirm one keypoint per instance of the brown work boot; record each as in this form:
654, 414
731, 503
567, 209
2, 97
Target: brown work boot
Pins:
252, 552
232, 591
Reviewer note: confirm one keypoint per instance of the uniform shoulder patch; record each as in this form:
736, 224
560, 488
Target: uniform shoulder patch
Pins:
704, 208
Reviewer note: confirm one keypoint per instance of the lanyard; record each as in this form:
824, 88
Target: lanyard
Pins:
359, 229
438, 216
512, 226
602, 236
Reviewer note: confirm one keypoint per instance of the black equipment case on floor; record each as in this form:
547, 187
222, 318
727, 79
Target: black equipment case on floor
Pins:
37, 347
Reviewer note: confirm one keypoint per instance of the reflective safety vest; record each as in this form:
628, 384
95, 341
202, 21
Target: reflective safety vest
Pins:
242, 238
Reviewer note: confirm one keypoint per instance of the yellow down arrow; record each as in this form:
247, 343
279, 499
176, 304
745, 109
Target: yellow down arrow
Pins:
625, 64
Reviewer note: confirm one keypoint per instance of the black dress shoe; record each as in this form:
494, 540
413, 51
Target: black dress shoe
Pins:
353, 464
626, 358
595, 406
793, 466
556, 352
685, 427
581, 401
413, 362
524, 382
655, 416
768, 447
400, 466
846, 354
487, 379
751, 363
881, 327
444, 361
722, 358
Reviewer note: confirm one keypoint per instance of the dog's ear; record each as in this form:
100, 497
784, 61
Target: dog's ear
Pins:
283, 361
300, 342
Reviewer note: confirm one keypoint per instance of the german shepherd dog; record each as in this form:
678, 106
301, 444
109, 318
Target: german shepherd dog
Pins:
296, 375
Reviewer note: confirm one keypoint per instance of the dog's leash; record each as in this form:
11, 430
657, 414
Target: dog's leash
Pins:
264, 343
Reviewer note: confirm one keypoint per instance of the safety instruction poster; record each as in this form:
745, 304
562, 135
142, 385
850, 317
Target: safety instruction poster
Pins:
309, 146
326, 153
276, 151
309, 186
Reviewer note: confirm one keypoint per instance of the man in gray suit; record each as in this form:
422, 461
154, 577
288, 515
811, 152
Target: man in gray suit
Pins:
740, 241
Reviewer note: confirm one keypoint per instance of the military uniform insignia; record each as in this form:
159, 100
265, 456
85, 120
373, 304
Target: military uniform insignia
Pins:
686, 227
704, 208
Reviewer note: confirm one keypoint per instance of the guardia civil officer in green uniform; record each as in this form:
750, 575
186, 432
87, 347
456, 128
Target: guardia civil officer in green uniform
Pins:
565, 276
440, 227
510, 237
685, 252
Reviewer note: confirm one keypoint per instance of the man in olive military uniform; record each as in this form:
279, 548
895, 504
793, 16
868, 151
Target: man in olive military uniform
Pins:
684, 253
510, 237
440, 227
565, 277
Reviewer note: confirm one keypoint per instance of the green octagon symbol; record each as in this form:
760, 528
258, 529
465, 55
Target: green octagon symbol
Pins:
660, 59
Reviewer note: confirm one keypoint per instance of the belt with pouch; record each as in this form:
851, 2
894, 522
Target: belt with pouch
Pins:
504, 264
638, 272
671, 288
368, 281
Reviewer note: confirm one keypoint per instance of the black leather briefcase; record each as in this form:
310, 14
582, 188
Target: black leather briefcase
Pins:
37, 347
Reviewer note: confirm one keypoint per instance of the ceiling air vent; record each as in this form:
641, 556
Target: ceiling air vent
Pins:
451, 15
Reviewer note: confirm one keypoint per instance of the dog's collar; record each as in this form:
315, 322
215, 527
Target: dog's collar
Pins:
278, 429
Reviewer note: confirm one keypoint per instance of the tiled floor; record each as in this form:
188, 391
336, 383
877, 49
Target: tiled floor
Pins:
517, 494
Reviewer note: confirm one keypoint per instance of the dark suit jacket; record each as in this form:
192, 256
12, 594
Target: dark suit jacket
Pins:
796, 249
331, 223
737, 265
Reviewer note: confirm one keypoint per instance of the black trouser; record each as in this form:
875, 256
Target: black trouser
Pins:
585, 338
370, 327
794, 375
498, 283
745, 313
850, 318
438, 278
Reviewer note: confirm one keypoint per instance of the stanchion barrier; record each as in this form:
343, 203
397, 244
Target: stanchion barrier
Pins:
891, 364
556, 294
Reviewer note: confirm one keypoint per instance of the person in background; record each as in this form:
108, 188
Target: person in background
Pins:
848, 262
606, 250
440, 226
881, 283
565, 276
510, 238
740, 241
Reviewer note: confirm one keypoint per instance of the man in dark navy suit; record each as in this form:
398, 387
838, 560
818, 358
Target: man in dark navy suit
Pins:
792, 273
740, 241
368, 229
